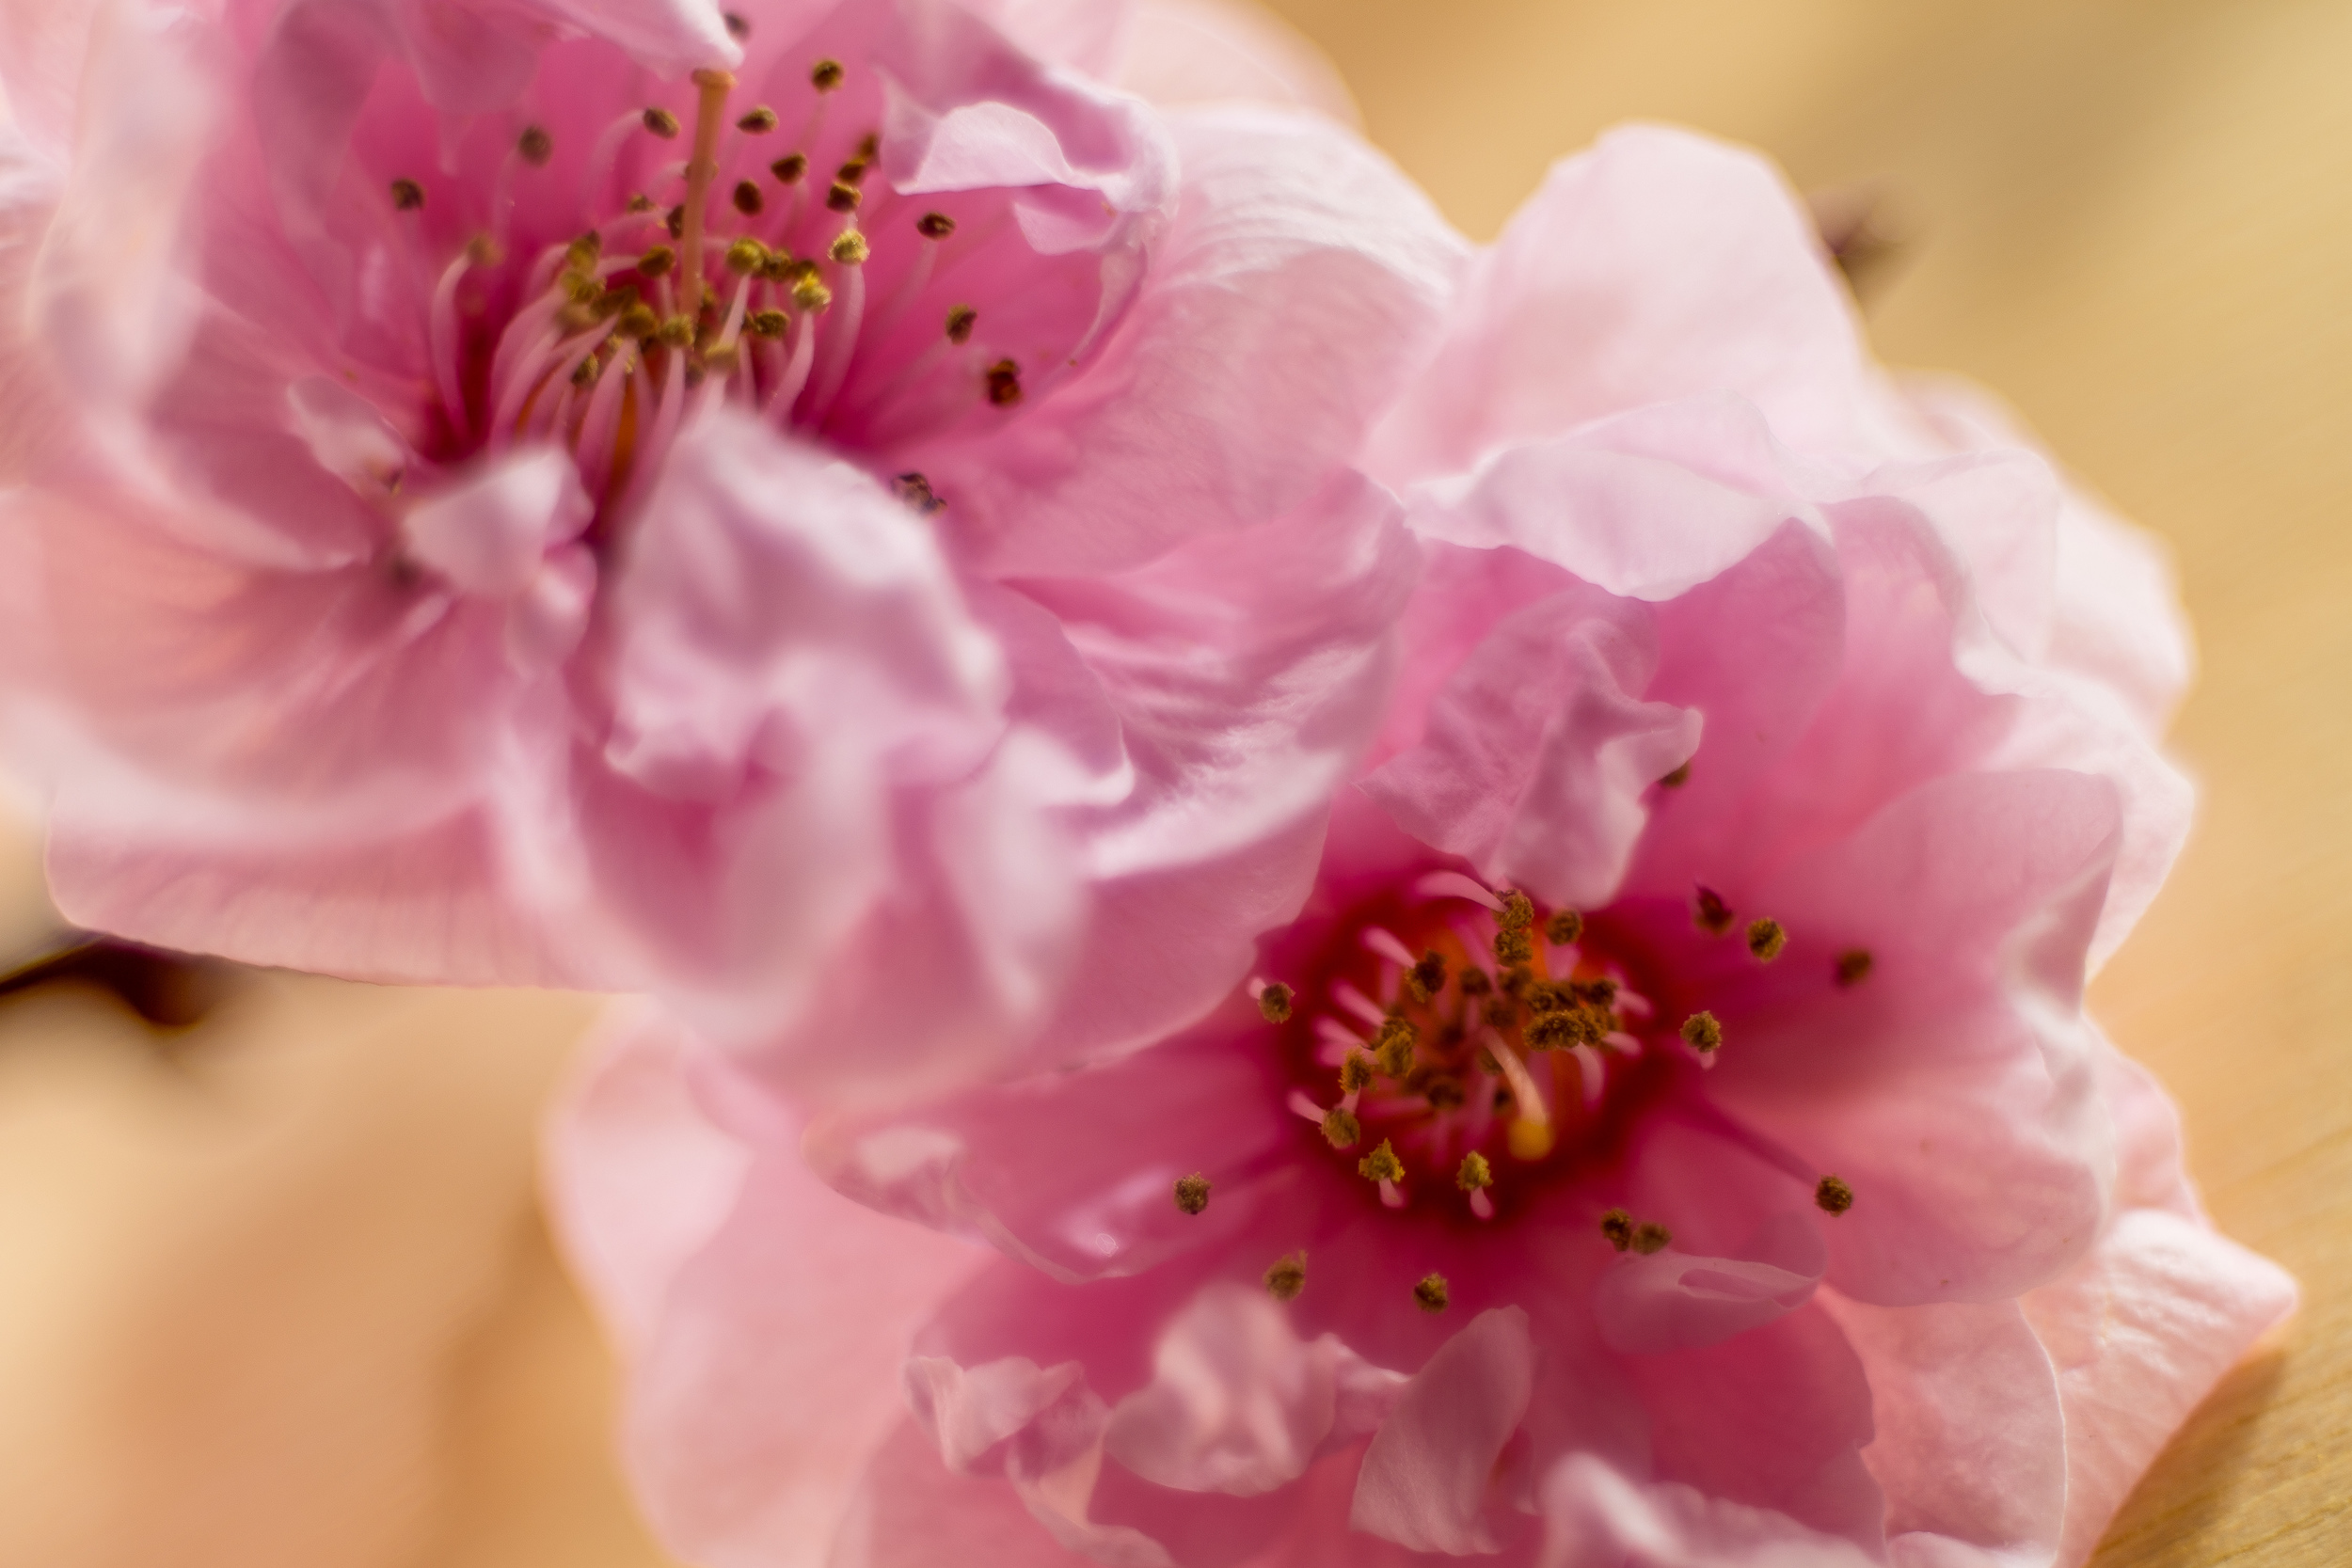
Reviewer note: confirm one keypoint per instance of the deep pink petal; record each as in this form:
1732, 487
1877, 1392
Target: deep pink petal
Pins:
1658, 265
1428, 1479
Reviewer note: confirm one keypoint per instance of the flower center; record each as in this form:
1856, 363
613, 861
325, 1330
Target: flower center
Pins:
762, 267
1462, 1044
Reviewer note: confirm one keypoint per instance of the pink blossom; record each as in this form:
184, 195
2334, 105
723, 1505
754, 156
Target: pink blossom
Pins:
415, 582
1669, 1132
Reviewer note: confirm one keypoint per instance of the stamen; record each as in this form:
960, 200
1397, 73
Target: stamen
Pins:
1427, 978
1853, 966
759, 122
851, 249
1192, 1193
1475, 1173
825, 75
1766, 937
1355, 1073
1618, 1226
656, 262
789, 169
1649, 1237
748, 201
1563, 927
1393, 1047
1340, 1129
1384, 943
535, 146
1287, 1277
1476, 982
407, 196
1531, 1133
1833, 1195
843, 197
738, 28
1381, 1165
1713, 915
661, 122
1431, 1294
959, 323
1596, 1076
1512, 945
787, 388
1519, 911
1274, 1002
915, 490
1004, 384
934, 226
1704, 1032
1452, 884
1358, 1003
1677, 779
711, 88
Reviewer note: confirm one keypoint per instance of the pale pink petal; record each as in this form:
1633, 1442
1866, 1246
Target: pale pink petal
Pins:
1773, 1419
911, 1510
487, 533
2139, 1332
2117, 604
1658, 265
108, 294
1619, 504
1970, 1437
769, 1343
43, 44
639, 1177
1594, 1513
1538, 752
1239, 1404
1080, 1181
1953, 1088
1297, 287
1208, 51
1679, 1300
1428, 1480
1086, 35
1246, 674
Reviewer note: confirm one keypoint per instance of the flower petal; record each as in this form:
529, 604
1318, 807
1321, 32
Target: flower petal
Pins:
1295, 287
1596, 1513
2139, 1332
1539, 751
1428, 1478
769, 1316
1658, 265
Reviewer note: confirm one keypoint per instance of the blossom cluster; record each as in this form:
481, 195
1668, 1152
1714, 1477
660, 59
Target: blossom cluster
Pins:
1303, 893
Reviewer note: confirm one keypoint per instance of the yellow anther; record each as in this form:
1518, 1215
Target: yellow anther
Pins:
1430, 1294
1340, 1129
1766, 937
1704, 1032
746, 256
1530, 1138
959, 323
1618, 1226
1563, 927
825, 75
849, 248
810, 293
1287, 1277
1649, 1236
1475, 1173
1833, 1195
1192, 1193
1853, 966
535, 146
1275, 1001
759, 122
407, 196
1381, 1165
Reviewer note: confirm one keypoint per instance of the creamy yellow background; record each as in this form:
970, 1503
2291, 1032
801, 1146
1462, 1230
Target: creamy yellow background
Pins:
280, 1294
